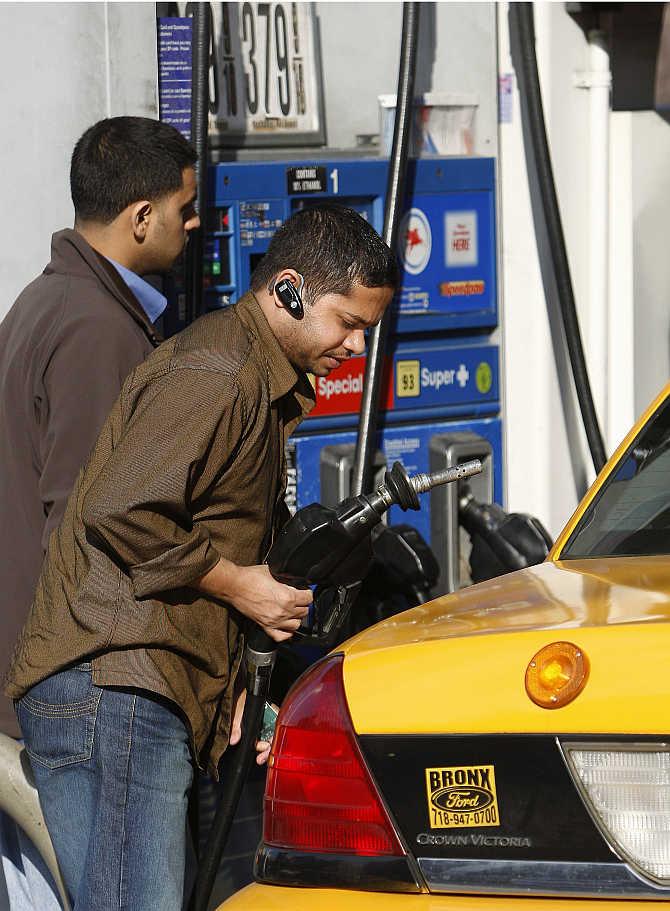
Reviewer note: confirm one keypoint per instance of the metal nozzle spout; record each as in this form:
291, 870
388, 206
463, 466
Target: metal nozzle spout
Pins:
423, 482
400, 489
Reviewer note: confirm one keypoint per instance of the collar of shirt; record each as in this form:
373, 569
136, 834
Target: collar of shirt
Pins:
152, 301
283, 376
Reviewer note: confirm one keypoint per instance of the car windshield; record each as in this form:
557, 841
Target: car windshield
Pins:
630, 516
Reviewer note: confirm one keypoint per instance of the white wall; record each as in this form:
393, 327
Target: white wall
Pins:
621, 409
650, 144
360, 52
547, 466
65, 66
545, 469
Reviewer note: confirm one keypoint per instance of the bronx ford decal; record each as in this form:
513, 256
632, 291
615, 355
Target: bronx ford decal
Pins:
462, 797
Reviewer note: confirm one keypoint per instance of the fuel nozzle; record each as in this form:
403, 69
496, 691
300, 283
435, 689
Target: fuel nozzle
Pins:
326, 545
501, 541
400, 490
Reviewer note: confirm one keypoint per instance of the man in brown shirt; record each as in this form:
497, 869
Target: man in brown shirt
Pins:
128, 663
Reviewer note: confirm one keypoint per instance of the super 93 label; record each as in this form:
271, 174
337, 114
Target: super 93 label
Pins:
462, 797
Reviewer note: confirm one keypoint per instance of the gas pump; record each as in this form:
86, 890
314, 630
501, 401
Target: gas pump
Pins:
441, 371
441, 364
440, 395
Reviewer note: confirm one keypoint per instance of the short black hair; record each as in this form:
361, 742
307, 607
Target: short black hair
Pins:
121, 160
333, 248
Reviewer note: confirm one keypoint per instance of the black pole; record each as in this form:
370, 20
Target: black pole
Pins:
259, 656
522, 33
194, 254
395, 193
199, 122
237, 774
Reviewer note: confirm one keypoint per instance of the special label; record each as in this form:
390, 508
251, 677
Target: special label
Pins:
341, 392
462, 797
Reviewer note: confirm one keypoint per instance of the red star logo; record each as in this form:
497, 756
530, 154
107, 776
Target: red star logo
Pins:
413, 238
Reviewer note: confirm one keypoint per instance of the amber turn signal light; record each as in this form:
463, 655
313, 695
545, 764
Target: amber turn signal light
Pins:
556, 675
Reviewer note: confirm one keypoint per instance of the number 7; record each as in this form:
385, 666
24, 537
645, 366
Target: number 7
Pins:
264, 10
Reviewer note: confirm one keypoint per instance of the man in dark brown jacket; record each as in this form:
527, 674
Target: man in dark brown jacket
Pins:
128, 664
66, 347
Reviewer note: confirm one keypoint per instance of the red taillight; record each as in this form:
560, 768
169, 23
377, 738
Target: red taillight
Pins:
319, 794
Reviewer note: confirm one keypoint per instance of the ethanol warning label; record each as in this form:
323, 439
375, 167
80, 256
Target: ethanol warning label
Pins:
462, 797
306, 179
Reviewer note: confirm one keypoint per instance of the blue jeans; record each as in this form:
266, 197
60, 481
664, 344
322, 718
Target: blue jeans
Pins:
113, 770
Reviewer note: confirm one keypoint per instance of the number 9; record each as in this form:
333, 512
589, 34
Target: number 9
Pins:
283, 83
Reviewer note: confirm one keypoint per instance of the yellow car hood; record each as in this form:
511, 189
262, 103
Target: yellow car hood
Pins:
457, 664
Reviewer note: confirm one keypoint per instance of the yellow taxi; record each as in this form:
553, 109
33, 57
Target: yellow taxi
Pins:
504, 746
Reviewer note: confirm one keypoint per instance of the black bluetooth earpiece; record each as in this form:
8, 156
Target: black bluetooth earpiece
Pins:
290, 298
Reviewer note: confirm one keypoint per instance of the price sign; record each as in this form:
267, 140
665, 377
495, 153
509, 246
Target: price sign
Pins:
266, 76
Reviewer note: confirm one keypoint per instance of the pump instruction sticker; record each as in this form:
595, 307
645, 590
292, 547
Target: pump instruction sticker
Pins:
460, 232
461, 797
306, 179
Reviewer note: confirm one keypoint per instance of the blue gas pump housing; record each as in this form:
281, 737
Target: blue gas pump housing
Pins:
447, 240
442, 367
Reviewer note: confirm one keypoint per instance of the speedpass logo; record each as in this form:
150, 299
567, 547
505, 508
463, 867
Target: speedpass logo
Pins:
462, 797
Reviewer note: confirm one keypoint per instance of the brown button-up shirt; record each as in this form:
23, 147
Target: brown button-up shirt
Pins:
189, 466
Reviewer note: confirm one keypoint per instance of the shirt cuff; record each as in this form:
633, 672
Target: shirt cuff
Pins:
175, 568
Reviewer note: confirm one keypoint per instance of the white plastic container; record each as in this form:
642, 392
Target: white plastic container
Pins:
443, 124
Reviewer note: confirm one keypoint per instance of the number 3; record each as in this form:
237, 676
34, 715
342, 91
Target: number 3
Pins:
248, 19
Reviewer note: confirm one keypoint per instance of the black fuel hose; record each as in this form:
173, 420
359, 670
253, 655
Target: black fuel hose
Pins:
199, 124
237, 773
395, 193
259, 656
522, 35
